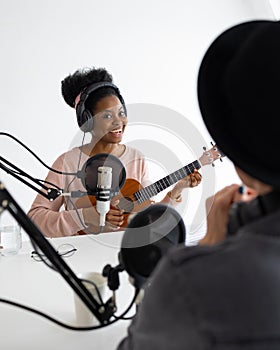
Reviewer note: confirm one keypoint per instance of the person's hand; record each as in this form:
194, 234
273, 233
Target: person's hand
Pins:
217, 209
191, 180
114, 219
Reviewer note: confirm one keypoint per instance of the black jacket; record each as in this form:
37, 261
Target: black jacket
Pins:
225, 297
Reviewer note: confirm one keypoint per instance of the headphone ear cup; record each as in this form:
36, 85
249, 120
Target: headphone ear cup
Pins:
84, 116
86, 121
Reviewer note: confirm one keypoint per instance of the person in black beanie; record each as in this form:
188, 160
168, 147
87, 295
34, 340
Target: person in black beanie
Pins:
224, 292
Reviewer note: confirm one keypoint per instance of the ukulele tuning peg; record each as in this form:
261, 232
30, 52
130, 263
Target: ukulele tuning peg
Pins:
221, 159
214, 146
204, 148
213, 165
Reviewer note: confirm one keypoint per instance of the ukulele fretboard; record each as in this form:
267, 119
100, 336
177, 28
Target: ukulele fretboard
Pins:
155, 188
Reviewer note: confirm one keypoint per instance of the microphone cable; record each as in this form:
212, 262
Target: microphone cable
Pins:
21, 173
18, 172
54, 170
35, 155
68, 326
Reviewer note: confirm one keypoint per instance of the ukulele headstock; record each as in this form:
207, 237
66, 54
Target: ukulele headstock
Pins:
211, 155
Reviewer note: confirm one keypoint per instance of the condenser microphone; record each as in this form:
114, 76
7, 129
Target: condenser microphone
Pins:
104, 191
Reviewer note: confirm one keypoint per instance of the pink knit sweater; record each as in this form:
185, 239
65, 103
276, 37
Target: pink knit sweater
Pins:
60, 217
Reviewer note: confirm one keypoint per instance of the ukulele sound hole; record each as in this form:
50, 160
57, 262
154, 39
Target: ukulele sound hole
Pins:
126, 204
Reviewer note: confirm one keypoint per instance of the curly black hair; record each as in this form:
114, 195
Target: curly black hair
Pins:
74, 83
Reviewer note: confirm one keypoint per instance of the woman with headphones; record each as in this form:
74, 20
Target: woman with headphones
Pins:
100, 111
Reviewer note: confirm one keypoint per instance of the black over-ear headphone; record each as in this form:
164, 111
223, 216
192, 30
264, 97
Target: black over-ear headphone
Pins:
84, 116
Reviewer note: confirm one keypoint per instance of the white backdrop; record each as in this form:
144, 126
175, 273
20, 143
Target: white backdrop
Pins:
152, 48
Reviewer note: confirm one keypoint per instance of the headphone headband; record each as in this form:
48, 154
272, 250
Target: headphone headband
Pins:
84, 116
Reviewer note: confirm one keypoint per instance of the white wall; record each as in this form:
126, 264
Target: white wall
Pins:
152, 48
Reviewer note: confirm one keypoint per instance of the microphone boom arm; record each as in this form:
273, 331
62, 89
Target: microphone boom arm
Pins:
102, 312
52, 193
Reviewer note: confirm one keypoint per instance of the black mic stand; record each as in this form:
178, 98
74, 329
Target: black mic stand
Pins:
52, 193
102, 312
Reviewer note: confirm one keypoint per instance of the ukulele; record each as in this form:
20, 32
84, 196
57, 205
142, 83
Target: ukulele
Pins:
134, 198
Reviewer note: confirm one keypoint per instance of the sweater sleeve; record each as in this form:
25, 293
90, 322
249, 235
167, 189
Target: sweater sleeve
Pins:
50, 216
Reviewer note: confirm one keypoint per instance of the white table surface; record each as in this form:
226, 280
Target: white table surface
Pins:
34, 284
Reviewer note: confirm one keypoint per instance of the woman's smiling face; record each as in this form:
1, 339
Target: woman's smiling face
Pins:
109, 119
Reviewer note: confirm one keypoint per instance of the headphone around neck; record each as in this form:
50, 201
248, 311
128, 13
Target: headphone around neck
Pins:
84, 116
242, 213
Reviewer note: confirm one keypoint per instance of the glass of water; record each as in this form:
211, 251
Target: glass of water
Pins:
10, 234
